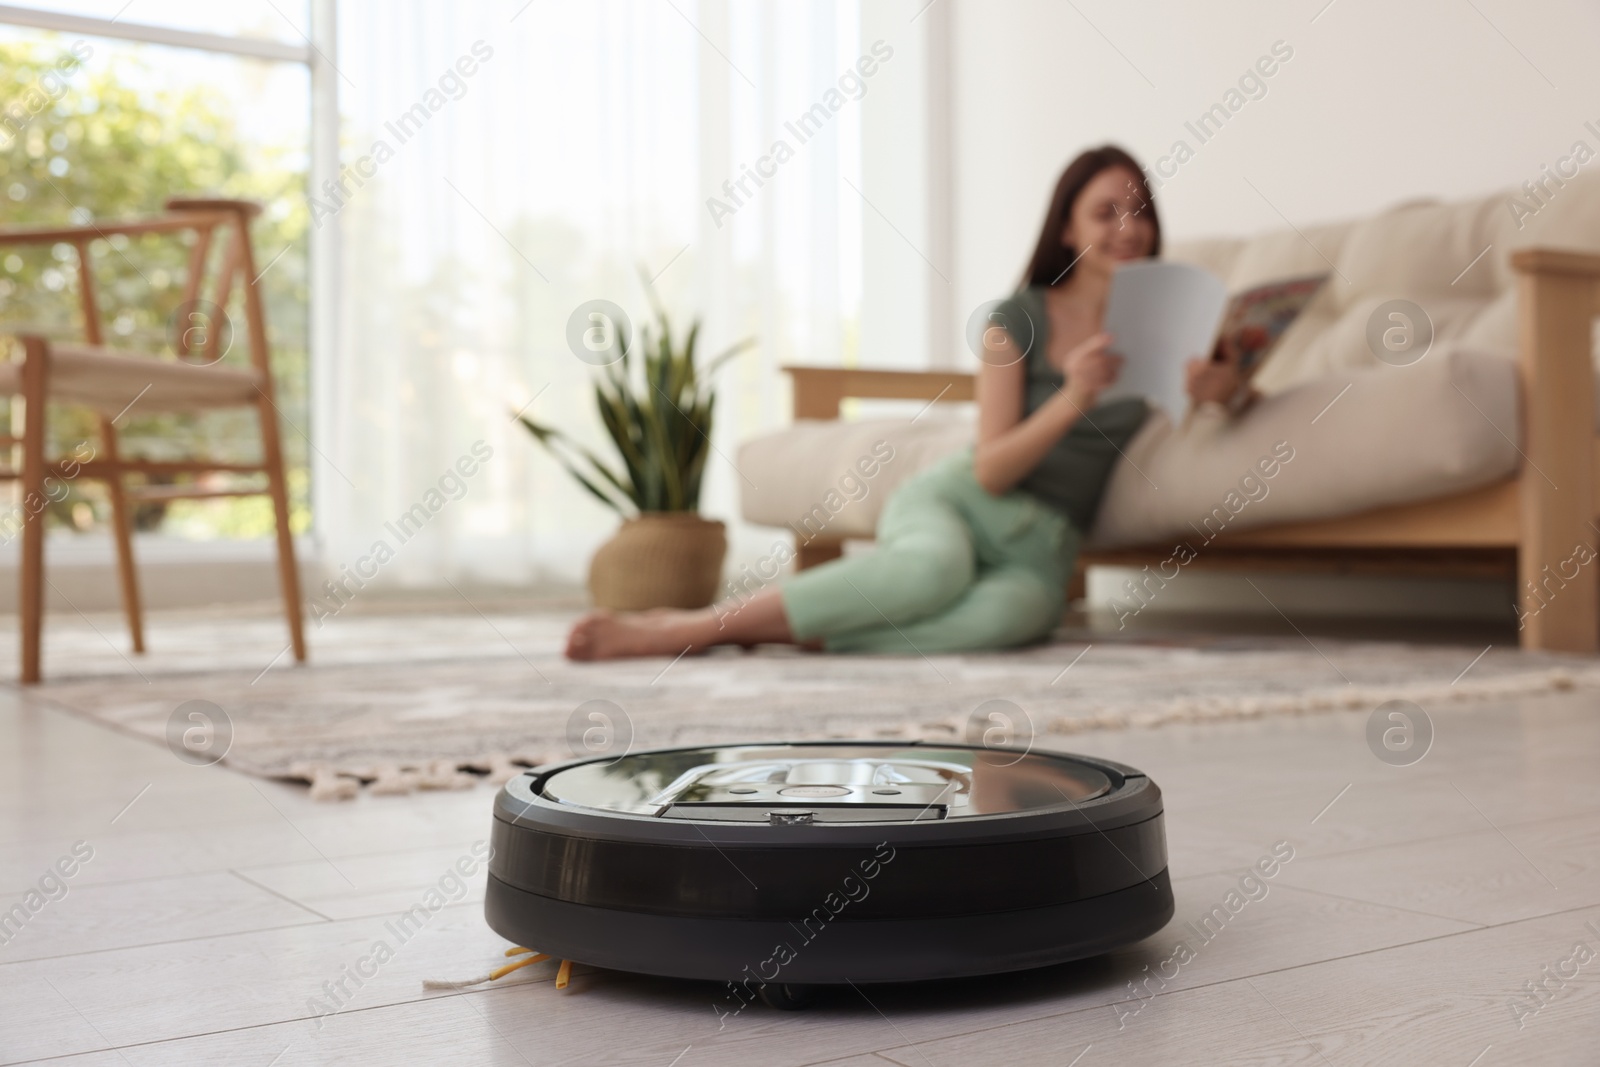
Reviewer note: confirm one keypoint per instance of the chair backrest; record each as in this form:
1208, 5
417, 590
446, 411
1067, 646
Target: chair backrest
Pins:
197, 330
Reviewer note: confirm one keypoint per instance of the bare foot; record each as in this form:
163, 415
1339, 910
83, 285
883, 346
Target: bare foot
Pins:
661, 632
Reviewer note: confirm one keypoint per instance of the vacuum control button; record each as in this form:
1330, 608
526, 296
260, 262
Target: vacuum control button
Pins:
743, 789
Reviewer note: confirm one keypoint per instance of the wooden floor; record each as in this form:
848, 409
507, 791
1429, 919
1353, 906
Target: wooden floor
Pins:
1418, 903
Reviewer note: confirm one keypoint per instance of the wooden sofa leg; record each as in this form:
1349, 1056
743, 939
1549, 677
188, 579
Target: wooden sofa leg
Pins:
1078, 584
815, 551
1558, 576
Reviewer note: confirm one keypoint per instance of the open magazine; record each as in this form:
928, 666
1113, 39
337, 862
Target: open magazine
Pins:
1164, 314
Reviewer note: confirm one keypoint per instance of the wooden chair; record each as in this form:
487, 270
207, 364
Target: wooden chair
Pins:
110, 382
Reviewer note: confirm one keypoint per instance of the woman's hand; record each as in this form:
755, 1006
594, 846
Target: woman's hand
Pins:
1089, 369
1208, 381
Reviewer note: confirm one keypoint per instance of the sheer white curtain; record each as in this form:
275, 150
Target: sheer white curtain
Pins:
505, 164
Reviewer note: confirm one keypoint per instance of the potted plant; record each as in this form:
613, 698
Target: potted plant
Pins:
656, 404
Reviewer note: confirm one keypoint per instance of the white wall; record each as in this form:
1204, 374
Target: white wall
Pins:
1382, 101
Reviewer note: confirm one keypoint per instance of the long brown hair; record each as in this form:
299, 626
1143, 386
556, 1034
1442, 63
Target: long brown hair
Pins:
1052, 261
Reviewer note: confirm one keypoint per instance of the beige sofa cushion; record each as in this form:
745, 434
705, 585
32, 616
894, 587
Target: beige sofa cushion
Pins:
820, 477
1343, 443
1452, 260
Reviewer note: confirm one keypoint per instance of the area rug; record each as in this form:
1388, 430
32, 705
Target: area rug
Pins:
397, 704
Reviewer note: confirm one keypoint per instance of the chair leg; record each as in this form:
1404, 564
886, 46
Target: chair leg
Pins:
35, 369
122, 529
271, 444
288, 567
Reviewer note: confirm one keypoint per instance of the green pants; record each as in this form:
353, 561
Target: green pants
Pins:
955, 569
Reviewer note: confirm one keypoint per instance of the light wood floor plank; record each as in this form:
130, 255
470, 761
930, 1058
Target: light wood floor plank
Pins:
1486, 877
98, 918
1436, 1002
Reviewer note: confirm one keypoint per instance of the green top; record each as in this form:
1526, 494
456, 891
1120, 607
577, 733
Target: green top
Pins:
1073, 474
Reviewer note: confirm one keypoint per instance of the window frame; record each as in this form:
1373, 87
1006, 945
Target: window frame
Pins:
323, 152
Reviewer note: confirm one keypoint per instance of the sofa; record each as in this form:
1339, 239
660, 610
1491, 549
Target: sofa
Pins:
1471, 455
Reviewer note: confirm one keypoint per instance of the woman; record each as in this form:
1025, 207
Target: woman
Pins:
975, 552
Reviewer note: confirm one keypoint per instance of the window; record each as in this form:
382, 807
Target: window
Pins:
110, 108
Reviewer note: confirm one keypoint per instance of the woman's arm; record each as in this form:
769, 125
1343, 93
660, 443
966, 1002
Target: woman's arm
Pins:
1009, 445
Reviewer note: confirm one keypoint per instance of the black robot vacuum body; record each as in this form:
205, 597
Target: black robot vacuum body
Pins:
823, 863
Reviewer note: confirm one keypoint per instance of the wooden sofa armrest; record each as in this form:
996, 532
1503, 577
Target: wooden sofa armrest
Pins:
818, 391
1556, 303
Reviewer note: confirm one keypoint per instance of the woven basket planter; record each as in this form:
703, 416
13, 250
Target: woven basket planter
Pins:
659, 560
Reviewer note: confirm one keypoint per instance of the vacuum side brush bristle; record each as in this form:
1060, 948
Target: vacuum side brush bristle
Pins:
501, 972
562, 975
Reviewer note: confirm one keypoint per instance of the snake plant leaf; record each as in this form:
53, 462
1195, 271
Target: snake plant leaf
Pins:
554, 441
686, 430
624, 432
665, 471
685, 378
570, 452
663, 367
689, 343
694, 470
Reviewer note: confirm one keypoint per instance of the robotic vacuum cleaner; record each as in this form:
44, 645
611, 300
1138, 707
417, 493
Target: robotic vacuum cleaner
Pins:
784, 866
